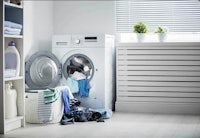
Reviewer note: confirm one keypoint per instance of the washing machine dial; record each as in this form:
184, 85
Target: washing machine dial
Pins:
77, 41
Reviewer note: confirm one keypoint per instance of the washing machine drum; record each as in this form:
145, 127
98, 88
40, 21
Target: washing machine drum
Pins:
43, 70
78, 63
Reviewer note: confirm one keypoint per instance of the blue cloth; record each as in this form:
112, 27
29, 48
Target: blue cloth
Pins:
66, 100
12, 25
84, 87
51, 95
73, 85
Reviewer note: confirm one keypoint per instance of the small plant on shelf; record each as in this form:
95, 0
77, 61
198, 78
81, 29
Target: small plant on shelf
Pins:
162, 33
140, 27
161, 30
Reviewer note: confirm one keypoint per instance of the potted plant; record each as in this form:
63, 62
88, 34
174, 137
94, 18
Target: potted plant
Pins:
162, 33
140, 29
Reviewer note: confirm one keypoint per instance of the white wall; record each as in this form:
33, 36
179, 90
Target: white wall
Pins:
84, 17
42, 19
38, 23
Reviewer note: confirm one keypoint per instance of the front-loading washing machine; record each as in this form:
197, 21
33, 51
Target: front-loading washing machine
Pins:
96, 52
51, 69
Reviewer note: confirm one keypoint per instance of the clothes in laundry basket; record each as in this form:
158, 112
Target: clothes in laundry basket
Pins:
51, 95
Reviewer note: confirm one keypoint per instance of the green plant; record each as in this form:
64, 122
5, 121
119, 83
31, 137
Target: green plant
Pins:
161, 29
140, 27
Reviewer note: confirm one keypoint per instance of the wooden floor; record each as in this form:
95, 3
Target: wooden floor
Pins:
121, 125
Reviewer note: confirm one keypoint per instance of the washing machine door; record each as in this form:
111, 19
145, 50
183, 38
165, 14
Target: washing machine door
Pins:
78, 65
43, 70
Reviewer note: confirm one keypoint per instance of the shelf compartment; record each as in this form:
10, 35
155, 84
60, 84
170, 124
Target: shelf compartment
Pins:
14, 123
13, 5
14, 78
14, 14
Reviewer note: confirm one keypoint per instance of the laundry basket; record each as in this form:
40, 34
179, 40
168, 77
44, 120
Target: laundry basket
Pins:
35, 102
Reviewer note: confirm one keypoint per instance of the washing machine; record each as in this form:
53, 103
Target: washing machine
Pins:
96, 53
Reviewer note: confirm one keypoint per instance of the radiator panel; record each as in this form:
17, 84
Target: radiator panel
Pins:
152, 75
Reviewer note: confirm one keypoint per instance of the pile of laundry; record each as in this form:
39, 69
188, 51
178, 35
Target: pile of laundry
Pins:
79, 71
12, 28
74, 112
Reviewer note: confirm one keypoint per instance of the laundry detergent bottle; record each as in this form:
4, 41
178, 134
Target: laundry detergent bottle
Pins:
10, 101
12, 61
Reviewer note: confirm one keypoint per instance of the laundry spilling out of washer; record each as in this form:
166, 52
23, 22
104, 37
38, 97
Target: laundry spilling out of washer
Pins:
75, 80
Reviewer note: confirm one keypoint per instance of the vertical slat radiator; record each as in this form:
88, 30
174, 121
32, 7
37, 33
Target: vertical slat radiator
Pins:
158, 78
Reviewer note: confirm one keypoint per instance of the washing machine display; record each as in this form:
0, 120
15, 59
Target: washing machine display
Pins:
78, 66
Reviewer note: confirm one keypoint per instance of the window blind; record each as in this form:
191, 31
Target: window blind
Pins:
176, 15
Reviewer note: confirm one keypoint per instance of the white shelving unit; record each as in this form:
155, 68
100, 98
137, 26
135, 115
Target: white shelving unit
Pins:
14, 13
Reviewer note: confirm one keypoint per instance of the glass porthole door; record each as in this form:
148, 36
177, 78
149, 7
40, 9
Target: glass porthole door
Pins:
78, 65
43, 70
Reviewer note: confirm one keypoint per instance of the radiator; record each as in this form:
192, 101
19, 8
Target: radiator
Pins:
158, 78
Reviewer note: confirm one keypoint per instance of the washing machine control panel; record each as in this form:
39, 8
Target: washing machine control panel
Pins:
78, 40
81, 40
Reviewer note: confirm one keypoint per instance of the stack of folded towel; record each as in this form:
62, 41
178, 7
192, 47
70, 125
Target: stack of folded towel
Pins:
12, 28
51, 95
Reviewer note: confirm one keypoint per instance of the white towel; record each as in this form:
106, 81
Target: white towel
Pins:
78, 76
11, 33
12, 29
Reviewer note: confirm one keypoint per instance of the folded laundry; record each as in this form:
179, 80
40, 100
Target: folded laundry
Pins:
11, 33
12, 29
12, 25
9, 73
51, 95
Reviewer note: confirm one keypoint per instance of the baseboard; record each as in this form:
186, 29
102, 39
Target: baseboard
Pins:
155, 107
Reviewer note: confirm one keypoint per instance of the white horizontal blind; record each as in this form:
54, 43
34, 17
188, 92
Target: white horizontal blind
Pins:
177, 15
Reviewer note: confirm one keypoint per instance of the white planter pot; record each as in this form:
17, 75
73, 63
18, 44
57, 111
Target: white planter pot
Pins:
162, 37
140, 37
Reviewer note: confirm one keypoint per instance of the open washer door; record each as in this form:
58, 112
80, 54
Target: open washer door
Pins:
43, 70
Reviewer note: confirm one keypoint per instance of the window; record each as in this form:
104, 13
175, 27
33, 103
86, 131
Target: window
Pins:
177, 15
